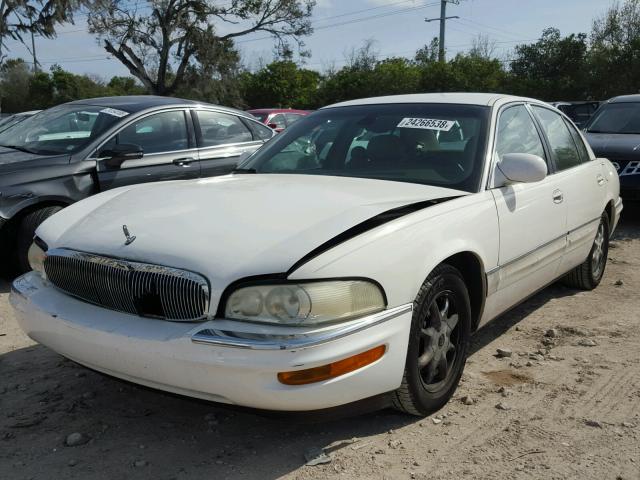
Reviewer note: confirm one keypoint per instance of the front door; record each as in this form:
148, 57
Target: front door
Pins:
169, 151
532, 216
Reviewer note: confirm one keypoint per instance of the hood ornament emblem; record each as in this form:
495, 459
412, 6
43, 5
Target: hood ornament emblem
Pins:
130, 238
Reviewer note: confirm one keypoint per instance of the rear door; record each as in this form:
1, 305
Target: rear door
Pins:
168, 143
532, 216
580, 180
223, 137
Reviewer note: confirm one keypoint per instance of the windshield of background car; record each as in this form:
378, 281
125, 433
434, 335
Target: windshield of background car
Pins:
61, 129
616, 118
431, 144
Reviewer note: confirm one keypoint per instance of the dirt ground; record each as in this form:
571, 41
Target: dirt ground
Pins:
569, 407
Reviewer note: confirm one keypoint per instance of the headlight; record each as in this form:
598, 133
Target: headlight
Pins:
305, 304
37, 256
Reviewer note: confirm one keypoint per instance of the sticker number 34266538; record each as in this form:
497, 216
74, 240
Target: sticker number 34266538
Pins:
426, 123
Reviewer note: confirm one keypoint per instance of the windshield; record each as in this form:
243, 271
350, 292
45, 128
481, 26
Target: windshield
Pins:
616, 118
431, 144
61, 129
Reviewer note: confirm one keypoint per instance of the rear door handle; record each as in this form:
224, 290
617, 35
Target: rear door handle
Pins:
600, 180
558, 197
184, 162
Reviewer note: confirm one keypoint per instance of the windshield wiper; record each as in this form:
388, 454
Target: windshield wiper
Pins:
21, 149
244, 170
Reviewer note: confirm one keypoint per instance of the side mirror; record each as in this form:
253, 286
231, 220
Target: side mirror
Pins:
272, 125
116, 155
522, 167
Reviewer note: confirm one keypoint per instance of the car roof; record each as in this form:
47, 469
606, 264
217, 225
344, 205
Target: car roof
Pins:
136, 103
625, 99
276, 110
486, 99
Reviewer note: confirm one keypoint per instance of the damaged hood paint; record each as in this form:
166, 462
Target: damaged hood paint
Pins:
228, 227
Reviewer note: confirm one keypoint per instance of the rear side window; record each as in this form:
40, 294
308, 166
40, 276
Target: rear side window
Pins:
517, 133
582, 150
221, 128
560, 138
260, 132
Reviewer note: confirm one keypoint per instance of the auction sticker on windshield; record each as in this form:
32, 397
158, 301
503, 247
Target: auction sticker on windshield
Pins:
426, 123
114, 112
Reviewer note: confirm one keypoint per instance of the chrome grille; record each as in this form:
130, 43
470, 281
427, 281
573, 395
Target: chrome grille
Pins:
137, 288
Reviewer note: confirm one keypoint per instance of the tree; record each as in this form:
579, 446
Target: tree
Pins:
553, 68
159, 45
429, 53
15, 76
281, 84
615, 51
18, 17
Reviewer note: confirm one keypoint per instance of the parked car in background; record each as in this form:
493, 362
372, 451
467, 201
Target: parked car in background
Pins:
350, 258
278, 118
614, 133
11, 120
74, 150
579, 112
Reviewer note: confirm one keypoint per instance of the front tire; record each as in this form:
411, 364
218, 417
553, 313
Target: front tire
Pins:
438, 343
588, 274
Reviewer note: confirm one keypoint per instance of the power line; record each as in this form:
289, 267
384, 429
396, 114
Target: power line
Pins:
443, 21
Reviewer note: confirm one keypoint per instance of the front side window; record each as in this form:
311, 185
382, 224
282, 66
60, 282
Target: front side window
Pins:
432, 144
157, 133
277, 121
517, 133
62, 129
616, 118
560, 139
221, 128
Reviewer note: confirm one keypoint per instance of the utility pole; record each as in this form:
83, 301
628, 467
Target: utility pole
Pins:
33, 47
443, 20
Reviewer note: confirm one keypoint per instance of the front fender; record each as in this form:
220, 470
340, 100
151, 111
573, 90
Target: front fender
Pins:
401, 254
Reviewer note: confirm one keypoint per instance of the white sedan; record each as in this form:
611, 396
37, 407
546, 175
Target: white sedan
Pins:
349, 259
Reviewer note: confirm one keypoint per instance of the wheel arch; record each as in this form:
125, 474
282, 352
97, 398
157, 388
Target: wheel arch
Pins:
472, 270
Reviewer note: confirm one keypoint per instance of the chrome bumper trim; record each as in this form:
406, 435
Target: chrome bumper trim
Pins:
221, 338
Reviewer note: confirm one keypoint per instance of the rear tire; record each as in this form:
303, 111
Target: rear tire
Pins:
26, 231
588, 274
440, 327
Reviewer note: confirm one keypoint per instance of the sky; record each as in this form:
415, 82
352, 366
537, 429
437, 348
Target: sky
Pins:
397, 28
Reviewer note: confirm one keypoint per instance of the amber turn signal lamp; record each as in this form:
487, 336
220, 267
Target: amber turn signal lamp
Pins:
335, 369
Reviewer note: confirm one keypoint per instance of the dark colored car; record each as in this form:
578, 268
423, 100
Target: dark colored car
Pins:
11, 120
614, 133
579, 112
278, 118
74, 150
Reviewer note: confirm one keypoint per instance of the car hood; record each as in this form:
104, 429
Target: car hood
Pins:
12, 160
615, 145
229, 227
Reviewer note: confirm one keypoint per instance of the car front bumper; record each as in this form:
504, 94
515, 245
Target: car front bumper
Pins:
218, 360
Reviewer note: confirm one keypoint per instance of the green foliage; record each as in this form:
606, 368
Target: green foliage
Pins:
280, 84
21, 89
554, 67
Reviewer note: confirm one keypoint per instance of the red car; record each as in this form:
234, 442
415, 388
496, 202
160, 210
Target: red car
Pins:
278, 118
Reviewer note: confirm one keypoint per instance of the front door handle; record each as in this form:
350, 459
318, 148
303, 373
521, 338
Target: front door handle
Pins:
600, 180
183, 162
558, 197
